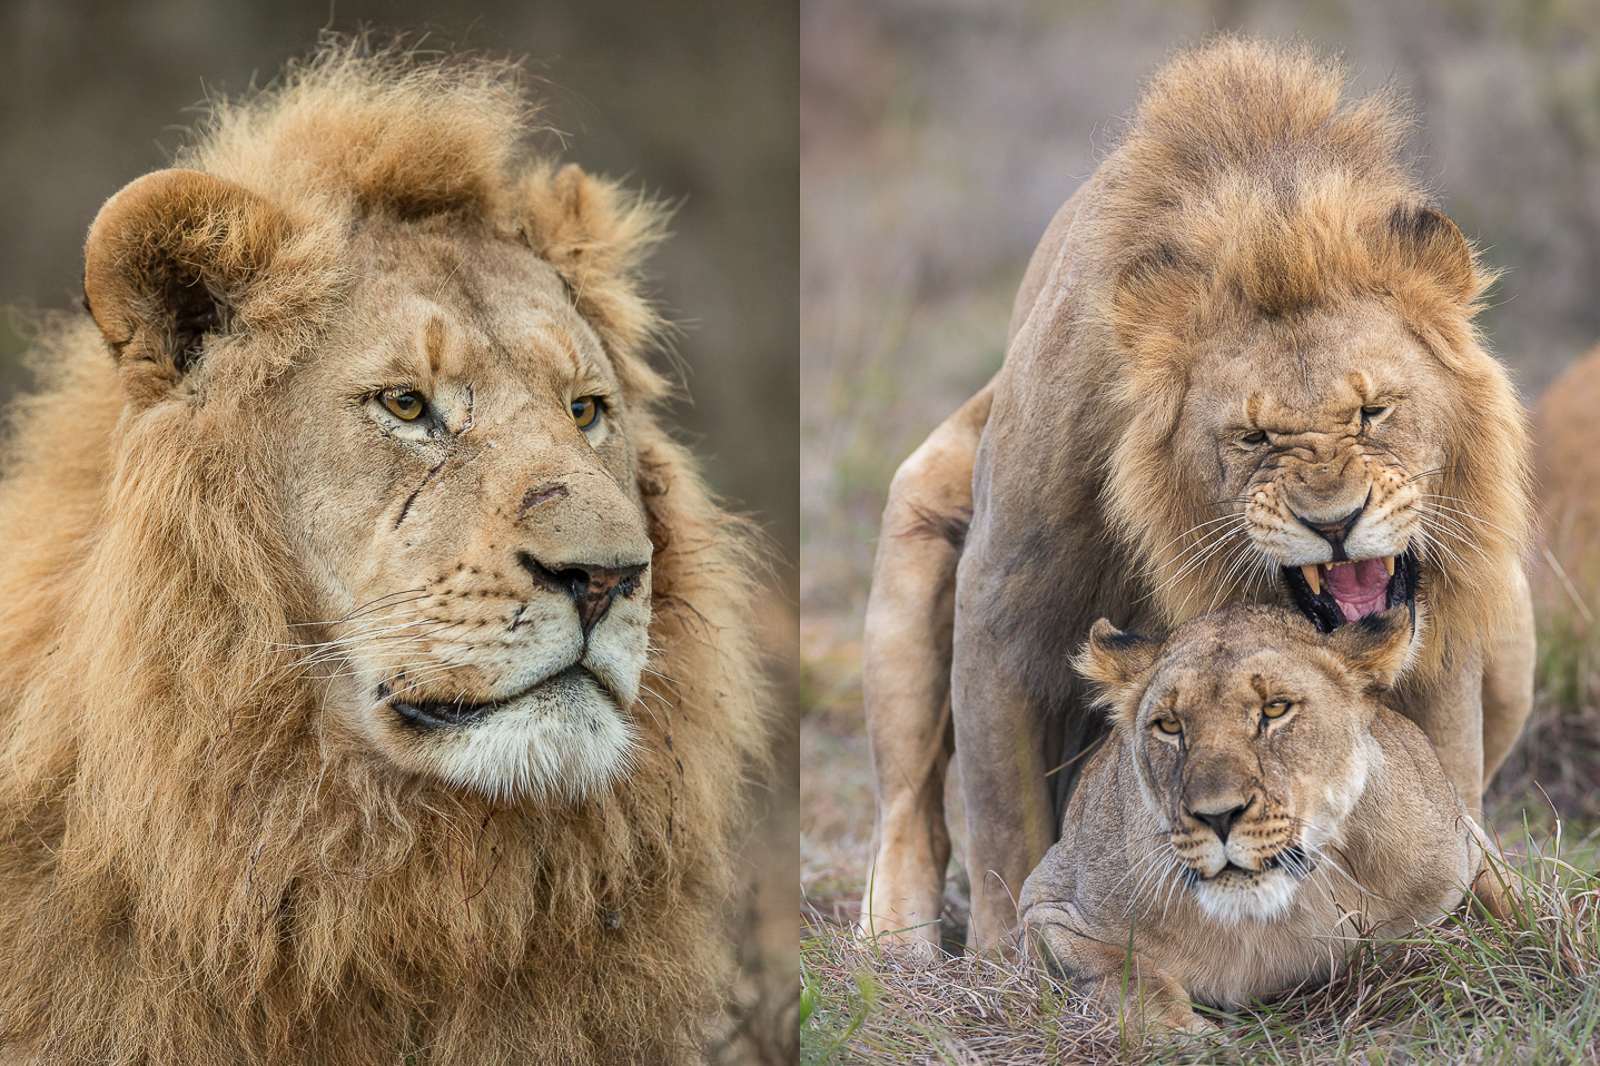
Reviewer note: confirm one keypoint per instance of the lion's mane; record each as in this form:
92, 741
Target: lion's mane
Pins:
189, 872
1246, 186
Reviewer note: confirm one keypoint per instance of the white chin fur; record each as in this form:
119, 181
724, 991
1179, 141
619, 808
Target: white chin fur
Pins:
565, 740
1230, 899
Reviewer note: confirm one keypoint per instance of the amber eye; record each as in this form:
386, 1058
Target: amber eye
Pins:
585, 409
1276, 709
1258, 437
1170, 726
407, 406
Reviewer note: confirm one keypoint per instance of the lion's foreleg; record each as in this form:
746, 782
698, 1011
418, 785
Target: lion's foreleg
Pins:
906, 678
1125, 983
1450, 712
1508, 680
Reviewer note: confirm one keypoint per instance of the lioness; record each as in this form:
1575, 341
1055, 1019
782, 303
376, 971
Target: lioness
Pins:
1242, 367
1254, 809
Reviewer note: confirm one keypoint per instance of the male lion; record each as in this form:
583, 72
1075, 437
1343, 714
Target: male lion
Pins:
377, 671
1241, 367
1254, 810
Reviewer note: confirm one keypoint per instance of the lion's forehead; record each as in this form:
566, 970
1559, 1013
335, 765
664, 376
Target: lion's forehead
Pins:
469, 306
1306, 376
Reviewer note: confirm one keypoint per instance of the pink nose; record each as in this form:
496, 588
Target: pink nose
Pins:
591, 587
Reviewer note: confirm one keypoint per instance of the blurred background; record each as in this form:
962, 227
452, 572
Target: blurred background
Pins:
937, 139
692, 100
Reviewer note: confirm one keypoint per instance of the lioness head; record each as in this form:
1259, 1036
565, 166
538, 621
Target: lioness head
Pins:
1250, 735
454, 453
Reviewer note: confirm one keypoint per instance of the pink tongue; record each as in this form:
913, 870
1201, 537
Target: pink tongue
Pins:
1358, 587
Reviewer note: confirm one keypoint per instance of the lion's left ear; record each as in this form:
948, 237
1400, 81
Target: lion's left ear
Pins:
1428, 243
597, 235
167, 261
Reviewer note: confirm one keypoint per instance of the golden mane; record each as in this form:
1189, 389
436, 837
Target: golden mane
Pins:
190, 869
1245, 190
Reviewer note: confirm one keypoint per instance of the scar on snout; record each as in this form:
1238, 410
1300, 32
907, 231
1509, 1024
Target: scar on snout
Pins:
543, 494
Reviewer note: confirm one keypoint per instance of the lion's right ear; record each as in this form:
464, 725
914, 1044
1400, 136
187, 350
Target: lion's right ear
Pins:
1114, 660
167, 260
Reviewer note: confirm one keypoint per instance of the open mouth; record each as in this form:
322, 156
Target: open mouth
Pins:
434, 714
1331, 594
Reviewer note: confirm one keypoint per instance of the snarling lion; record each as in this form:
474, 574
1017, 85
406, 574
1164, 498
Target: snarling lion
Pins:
1241, 367
377, 677
1254, 812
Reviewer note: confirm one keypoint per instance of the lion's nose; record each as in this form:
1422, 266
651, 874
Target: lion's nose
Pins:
592, 587
1334, 532
1221, 822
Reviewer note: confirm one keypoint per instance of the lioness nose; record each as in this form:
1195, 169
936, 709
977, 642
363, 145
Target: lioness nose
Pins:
592, 587
1221, 823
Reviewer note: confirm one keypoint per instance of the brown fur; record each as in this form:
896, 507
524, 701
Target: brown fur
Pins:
1568, 466
197, 863
1254, 812
1254, 257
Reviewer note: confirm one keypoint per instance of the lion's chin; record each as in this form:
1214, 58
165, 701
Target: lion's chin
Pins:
564, 739
1327, 613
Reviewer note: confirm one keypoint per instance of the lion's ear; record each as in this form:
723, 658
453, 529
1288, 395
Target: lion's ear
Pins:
167, 260
1377, 645
1115, 660
597, 234
1428, 243
1152, 297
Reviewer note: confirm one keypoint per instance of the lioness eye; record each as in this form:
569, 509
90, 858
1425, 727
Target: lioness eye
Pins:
407, 406
1170, 726
1257, 437
1276, 709
585, 409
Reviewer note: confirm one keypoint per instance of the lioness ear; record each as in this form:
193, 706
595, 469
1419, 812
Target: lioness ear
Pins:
1428, 243
1114, 660
167, 260
1377, 645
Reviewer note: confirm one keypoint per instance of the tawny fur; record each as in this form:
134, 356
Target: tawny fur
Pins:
1254, 260
1146, 907
1568, 468
1247, 188
192, 868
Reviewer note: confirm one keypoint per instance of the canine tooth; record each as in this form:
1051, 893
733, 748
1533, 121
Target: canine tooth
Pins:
1388, 564
1313, 578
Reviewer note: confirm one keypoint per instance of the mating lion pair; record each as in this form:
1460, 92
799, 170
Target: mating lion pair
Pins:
1241, 369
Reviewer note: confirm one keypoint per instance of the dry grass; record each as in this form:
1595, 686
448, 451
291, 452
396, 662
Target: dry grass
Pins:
1469, 990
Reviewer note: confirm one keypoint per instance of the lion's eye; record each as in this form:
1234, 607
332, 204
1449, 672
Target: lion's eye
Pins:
585, 409
1170, 726
407, 405
1258, 437
1276, 709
